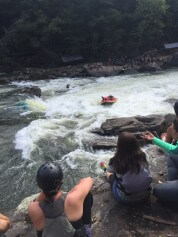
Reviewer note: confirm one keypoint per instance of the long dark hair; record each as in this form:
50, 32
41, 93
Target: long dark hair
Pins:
50, 195
128, 156
175, 124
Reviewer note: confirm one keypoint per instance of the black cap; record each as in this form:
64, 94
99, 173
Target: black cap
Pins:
49, 176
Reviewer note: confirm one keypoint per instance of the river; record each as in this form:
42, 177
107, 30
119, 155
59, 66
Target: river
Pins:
62, 131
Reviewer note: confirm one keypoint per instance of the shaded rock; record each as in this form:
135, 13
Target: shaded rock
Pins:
3, 81
158, 163
130, 71
31, 90
149, 68
101, 71
173, 60
3, 74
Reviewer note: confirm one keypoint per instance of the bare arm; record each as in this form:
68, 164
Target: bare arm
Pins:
36, 215
169, 135
75, 198
4, 223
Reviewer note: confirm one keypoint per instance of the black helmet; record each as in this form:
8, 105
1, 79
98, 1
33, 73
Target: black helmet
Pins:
49, 176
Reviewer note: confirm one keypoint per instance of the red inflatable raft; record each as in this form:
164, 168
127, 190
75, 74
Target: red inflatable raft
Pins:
108, 100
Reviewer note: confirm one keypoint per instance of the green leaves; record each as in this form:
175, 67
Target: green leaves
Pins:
149, 16
97, 29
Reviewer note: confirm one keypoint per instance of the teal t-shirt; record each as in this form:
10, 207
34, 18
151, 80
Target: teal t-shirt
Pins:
166, 146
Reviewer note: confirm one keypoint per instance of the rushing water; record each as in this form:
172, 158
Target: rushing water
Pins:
62, 131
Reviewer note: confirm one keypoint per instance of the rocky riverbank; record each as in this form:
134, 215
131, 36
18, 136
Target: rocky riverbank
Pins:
110, 218
150, 62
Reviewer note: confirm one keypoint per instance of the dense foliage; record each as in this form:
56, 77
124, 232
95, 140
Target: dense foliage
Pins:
39, 32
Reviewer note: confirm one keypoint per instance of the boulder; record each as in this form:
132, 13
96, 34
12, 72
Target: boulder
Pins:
3, 81
130, 70
137, 124
173, 60
31, 90
101, 71
149, 68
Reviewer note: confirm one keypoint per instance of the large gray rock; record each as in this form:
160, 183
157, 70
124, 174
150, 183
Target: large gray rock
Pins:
101, 70
101, 143
137, 124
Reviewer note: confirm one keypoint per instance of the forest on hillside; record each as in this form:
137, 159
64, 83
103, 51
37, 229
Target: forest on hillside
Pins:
40, 32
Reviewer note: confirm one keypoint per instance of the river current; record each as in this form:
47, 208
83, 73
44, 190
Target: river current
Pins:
62, 131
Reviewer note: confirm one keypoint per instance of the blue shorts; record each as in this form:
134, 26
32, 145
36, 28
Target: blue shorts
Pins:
114, 187
122, 197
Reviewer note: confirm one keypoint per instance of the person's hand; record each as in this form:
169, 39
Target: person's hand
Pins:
163, 136
147, 136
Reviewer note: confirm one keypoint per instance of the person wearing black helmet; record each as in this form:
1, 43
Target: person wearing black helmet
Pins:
54, 213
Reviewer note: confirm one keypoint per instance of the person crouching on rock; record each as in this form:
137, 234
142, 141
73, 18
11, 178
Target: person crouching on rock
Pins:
54, 213
128, 172
167, 192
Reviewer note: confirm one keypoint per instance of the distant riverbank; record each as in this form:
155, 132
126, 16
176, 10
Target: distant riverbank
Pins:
141, 64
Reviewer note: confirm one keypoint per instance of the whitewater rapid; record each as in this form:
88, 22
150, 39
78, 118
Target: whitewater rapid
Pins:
62, 131
141, 94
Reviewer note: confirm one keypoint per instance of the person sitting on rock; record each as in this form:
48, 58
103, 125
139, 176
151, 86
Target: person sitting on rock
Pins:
170, 135
53, 213
128, 172
110, 97
4, 223
167, 191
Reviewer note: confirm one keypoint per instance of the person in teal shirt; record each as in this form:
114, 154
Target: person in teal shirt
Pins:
167, 191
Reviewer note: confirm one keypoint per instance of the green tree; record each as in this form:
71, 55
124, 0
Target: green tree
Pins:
149, 16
